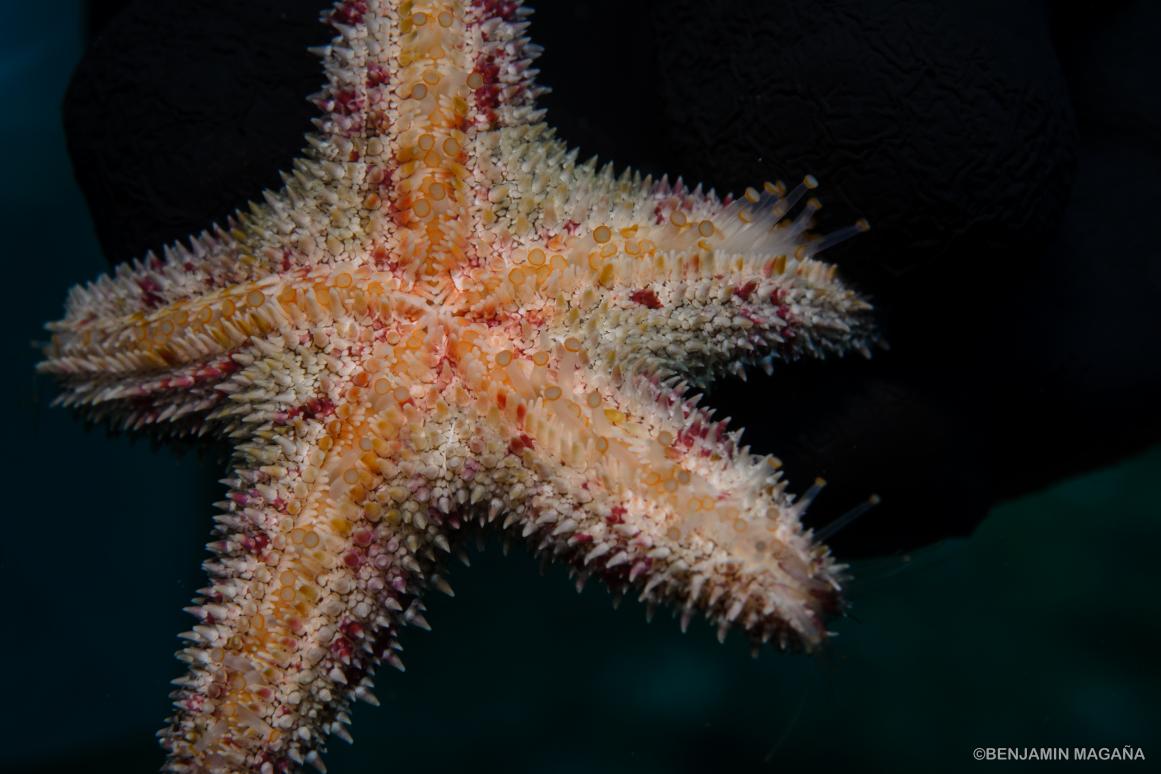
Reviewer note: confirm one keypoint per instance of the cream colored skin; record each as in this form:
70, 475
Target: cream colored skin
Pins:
442, 319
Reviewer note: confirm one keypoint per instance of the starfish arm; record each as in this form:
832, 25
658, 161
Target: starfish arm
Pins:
164, 365
714, 316
664, 279
171, 365
387, 53
410, 92
706, 286
322, 549
628, 479
211, 260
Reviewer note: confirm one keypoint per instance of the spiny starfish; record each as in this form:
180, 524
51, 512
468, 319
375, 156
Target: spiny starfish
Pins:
442, 319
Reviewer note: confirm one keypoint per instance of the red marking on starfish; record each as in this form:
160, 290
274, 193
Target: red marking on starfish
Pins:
520, 443
150, 292
377, 75
646, 297
350, 12
745, 291
497, 9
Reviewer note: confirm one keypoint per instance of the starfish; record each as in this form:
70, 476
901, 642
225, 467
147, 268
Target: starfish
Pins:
443, 320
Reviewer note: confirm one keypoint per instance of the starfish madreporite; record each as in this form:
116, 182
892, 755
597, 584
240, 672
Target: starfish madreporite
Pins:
442, 319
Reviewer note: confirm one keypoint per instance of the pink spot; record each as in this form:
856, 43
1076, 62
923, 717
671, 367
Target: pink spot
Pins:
350, 12
342, 649
646, 297
387, 182
256, 543
281, 765
150, 292
745, 291
376, 75
520, 443
212, 371
313, 408
497, 9
487, 96
347, 102
686, 438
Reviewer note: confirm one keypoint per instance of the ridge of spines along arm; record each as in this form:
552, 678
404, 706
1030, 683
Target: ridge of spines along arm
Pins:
215, 258
286, 228
339, 183
176, 364
337, 518
283, 229
167, 323
458, 67
658, 278
165, 368
538, 187
503, 78
701, 287
628, 479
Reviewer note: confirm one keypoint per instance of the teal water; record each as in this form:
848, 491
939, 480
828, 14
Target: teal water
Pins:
1041, 629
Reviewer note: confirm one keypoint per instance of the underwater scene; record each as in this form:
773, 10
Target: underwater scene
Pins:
922, 540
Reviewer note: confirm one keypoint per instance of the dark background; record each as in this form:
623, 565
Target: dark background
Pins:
1006, 154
